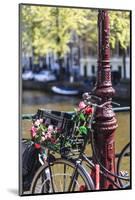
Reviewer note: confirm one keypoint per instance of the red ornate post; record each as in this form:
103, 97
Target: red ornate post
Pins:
105, 118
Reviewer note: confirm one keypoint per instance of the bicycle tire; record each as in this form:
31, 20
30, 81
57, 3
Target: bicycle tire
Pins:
119, 163
82, 176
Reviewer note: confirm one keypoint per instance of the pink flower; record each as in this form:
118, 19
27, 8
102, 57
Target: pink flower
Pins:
41, 120
50, 128
33, 131
82, 105
48, 135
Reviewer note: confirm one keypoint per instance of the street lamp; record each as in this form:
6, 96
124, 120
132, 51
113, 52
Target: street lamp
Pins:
105, 118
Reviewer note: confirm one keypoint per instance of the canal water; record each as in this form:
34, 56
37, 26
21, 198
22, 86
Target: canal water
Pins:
33, 100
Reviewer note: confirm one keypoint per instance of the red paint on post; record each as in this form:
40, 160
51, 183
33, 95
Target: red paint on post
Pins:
97, 176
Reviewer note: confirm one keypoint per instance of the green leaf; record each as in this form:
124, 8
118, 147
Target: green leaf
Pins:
82, 117
83, 130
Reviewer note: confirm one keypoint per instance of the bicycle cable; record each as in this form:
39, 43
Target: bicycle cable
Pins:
106, 170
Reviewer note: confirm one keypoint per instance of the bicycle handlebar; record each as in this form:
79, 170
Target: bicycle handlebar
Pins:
94, 100
87, 95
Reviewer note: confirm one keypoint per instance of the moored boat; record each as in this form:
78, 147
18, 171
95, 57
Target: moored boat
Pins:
64, 90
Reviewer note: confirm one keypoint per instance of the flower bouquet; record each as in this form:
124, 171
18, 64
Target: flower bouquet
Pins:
58, 139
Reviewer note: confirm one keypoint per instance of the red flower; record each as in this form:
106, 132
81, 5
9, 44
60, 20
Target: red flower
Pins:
37, 146
53, 140
58, 129
88, 111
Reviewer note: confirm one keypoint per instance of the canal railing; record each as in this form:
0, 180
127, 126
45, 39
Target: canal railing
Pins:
116, 110
122, 109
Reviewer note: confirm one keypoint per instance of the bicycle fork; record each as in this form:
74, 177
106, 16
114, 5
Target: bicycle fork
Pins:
48, 185
74, 178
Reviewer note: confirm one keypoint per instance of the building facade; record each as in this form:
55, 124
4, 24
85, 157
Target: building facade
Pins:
88, 66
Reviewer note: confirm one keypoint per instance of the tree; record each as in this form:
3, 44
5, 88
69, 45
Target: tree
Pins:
49, 29
120, 32
120, 28
33, 18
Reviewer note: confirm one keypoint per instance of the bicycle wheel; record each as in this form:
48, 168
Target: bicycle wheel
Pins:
61, 176
123, 166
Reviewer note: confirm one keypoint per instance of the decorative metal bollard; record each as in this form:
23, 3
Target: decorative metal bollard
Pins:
105, 117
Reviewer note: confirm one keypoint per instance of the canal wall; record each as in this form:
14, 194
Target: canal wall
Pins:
122, 89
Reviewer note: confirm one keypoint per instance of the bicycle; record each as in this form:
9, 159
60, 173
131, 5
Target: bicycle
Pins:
67, 173
124, 157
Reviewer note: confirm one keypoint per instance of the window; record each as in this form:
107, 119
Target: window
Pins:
120, 70
93, 69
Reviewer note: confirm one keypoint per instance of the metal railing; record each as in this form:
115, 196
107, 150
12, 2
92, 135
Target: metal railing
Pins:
122, 109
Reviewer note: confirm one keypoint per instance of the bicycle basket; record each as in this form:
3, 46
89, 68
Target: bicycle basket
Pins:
63, 138
58, 119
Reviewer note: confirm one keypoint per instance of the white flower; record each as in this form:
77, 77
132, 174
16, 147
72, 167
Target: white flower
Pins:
50, 128
37, 122
43, 133
43, 138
